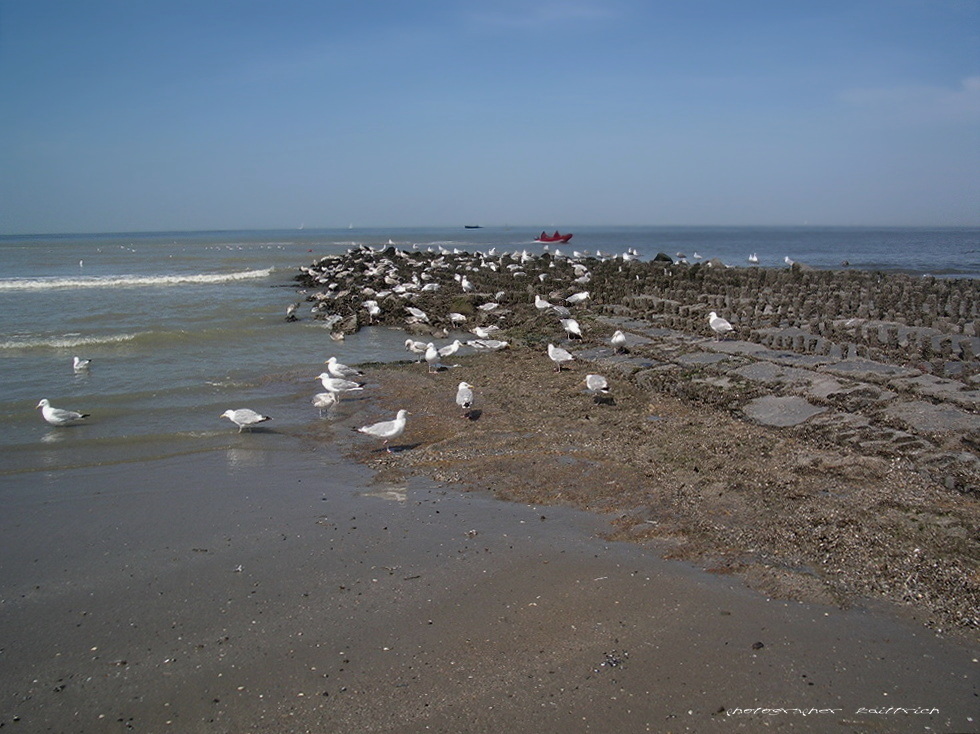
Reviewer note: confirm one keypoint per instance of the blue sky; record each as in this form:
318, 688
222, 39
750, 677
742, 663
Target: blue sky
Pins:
121, 115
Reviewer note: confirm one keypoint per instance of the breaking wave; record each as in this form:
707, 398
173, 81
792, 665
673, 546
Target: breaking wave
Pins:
68, 341
128, 281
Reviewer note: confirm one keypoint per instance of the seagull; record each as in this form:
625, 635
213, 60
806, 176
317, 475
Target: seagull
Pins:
417, 314
431, 355
416, 347
464, 397
373, 309
456, 318
558, 355
596, 384
577, 297
450, 349
338, 369
618, 341
323, 400
720, 326
484, 332
572, 328
386, 429
491, 344
58, 416
244, 418
291, 310
754, 259
540, 303
338, 385
80, 365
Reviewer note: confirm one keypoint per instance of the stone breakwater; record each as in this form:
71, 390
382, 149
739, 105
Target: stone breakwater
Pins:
857, 459
886, 365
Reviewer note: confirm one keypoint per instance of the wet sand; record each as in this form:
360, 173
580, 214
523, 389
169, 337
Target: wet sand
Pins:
278, 587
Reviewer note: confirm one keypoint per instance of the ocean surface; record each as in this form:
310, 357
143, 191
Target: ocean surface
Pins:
182, 326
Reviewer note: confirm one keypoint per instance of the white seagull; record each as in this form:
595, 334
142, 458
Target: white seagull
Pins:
577, 297
416, 347
386, 429
338, 385
618, 341
431, 356
720, 326
80, 365
464, 397
323, 400
450, 349
558, 355
596, 384
540, 303
338, 369
58, 416
489, 344
244, 418
571, 328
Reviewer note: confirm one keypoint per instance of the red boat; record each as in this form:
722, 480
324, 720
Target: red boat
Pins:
556, 237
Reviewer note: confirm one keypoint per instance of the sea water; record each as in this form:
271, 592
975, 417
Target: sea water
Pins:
182, 326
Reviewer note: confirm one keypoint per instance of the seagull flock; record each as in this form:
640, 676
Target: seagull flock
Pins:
384, 280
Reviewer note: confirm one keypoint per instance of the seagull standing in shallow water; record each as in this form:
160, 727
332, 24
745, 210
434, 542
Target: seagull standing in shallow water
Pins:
338, 385
244, 418
323, 400
720, 326
386, 429
58, 416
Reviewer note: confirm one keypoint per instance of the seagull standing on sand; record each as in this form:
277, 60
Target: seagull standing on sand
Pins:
80, 365
244, 418
596, 384
338, 369
464, 397
720, 326
571, 328
338, 385
618, 341
58, 416
559, 355
431, 356
386, 429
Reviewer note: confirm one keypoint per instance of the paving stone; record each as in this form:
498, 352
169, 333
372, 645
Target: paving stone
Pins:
772, 410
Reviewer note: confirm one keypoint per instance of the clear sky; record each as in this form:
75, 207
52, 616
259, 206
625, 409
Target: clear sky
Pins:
119, 115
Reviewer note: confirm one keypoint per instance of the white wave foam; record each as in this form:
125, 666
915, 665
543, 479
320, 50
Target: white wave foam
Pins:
66, 342
128, 281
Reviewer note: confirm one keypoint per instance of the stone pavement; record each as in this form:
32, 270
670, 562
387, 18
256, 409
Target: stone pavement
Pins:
866, 406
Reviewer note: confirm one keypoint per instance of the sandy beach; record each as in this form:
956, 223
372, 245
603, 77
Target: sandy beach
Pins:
271, 590
737, 536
